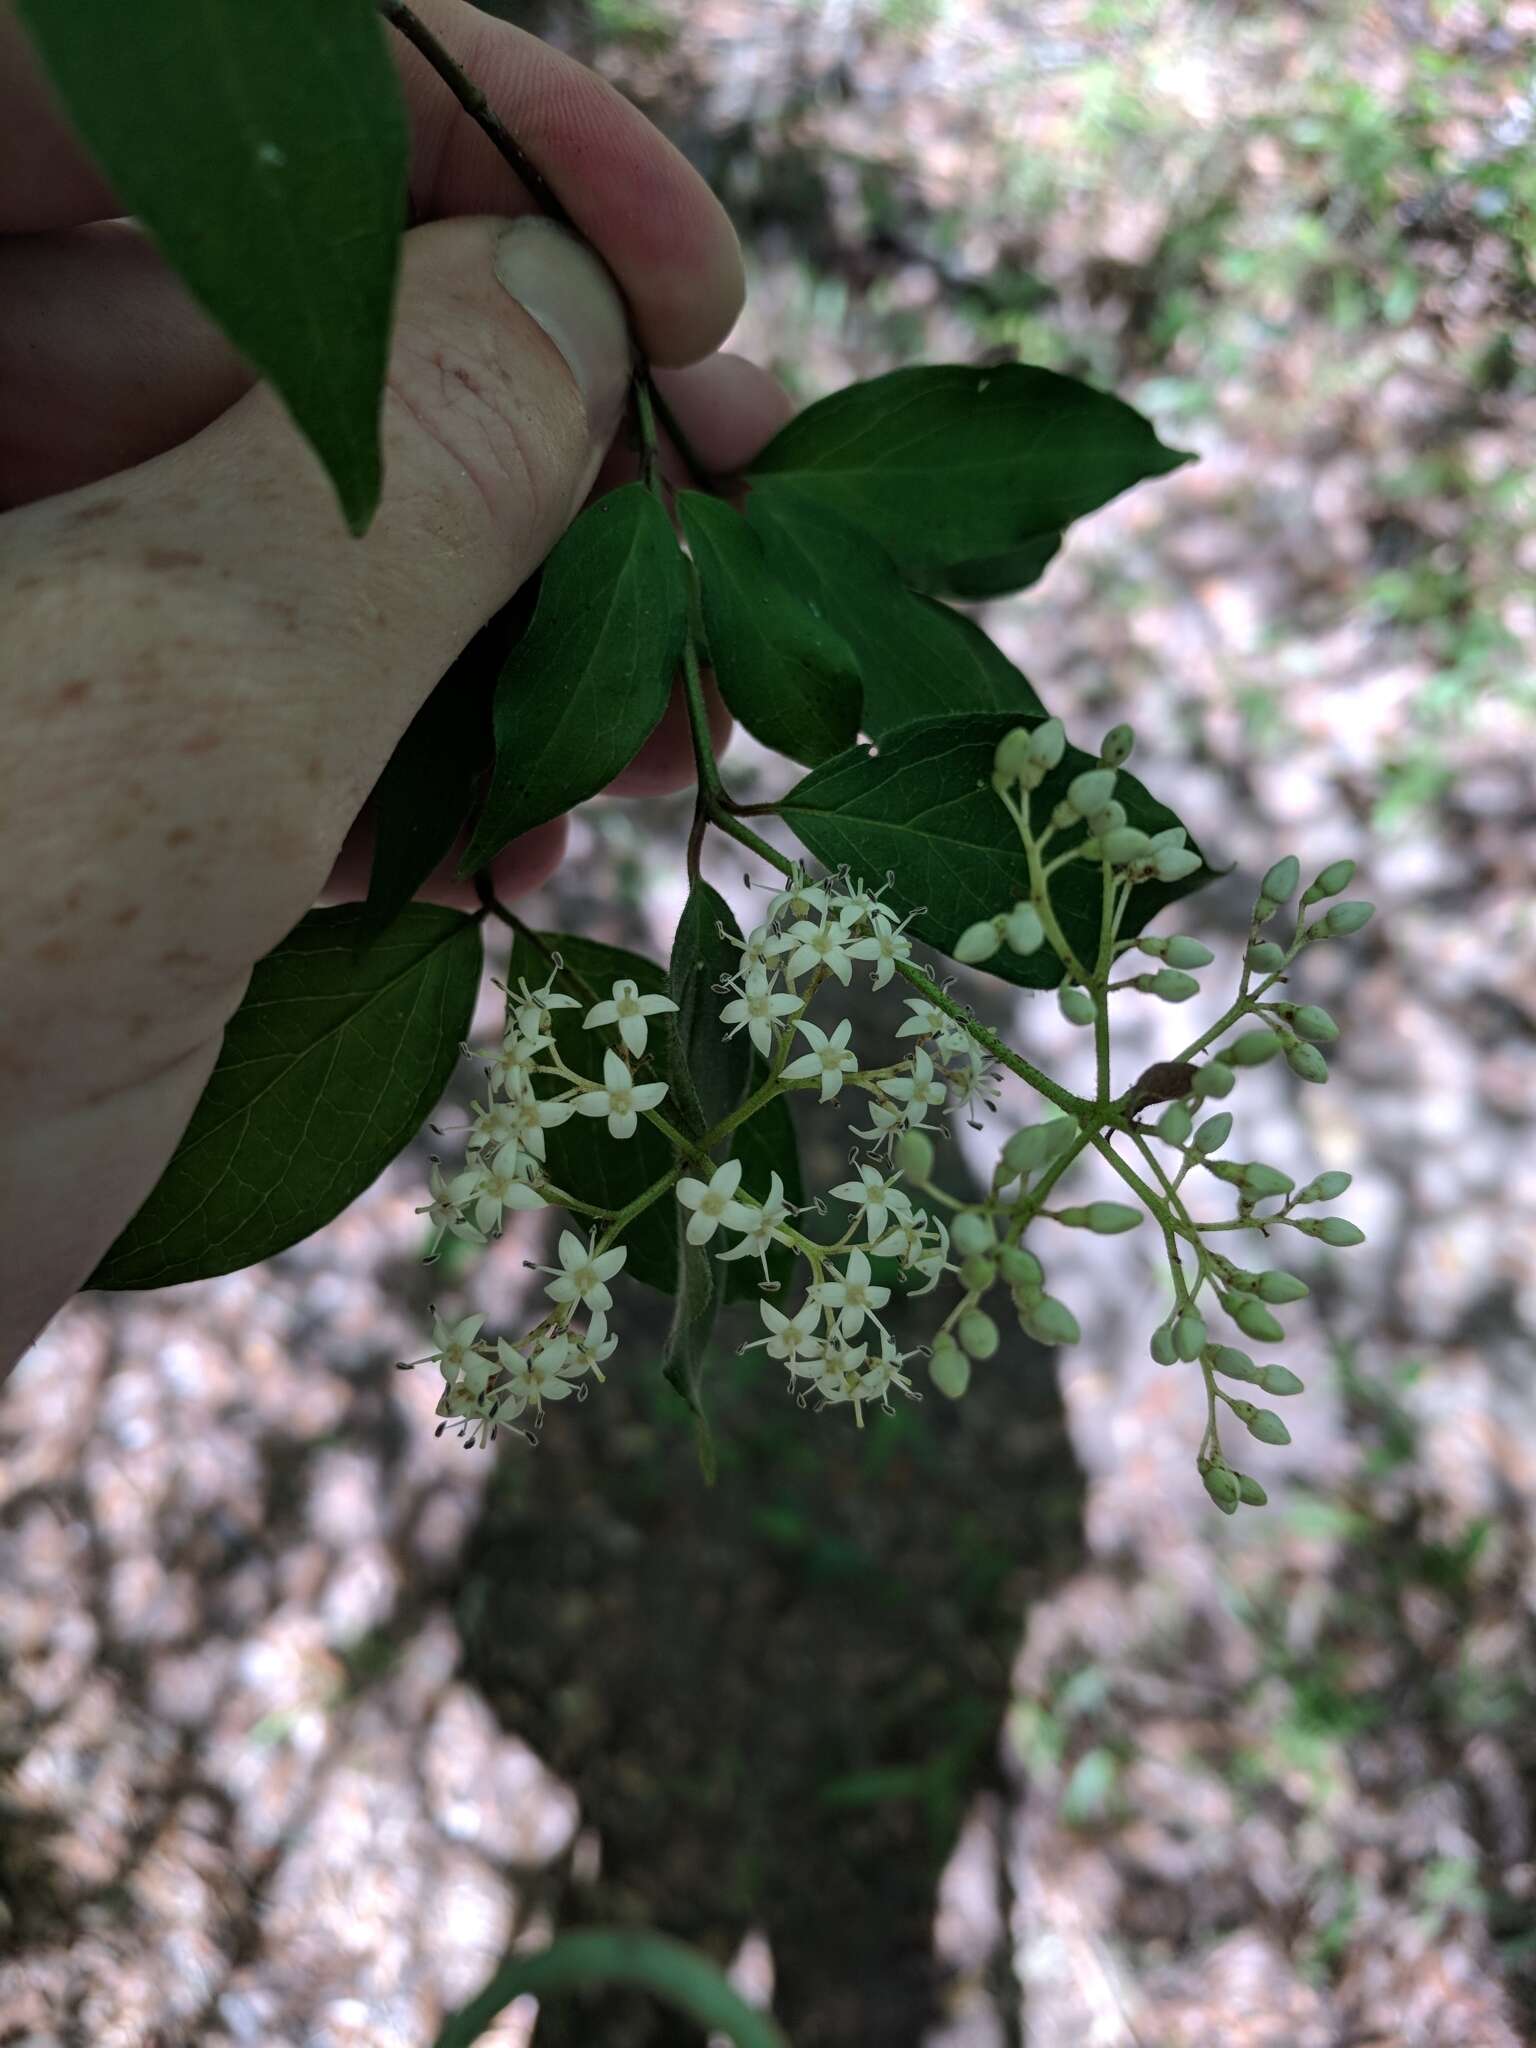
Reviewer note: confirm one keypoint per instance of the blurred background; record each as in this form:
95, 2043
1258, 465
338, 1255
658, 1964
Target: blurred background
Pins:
980, 1728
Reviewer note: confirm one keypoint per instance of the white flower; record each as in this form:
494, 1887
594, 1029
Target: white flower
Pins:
627, 1008
926, 1021
621, 1099
531, 1381
713, 1202
815, 945
885, 946
762, 1233
529, 1011
510, 1070
859, 905
828, 1060
583, 1272
453, 1345
789, 1336
758, 1009
589, 1350
874, 1194
881, 1375
446, 1209
476, 1412
532, 1119
800, 899
756, 951
491, 1127
908, 1241
500, 1184
884, 1120
919, 1091
854, 1296
934, 1262
904, 1240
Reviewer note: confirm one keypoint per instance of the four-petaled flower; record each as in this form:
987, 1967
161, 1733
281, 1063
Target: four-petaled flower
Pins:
529, 1010
919, 1091
854, 1296
758, 1008
810, 946
583, 1272
589, 1349
621, 1098
627, 1008
445, 1211
886, 945
876, 1195
926, 1020
532, 1119
536, 1378
762, 1232
499, 1185
790, 1336
828, 1060
713, 1202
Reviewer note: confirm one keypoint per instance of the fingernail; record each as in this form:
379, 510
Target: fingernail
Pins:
561, 284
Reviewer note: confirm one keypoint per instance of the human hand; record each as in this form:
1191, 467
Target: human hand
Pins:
206, 674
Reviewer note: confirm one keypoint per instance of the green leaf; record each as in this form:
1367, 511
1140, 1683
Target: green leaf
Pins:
996, 575
923, 806
687, 1352
431, 779
708, 1070
600, 1956
265, 149
585, 688
790, 679
917, 657
328, 1069
947, 463
582, 1157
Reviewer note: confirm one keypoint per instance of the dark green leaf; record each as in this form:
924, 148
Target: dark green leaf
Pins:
708, 1070
924, 807
582, 1157
265, 149
328, 1069
583, 691
947, 464
693, 1321
791, 680
917, 658
996, 575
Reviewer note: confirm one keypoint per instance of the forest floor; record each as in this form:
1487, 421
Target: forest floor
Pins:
980, 1728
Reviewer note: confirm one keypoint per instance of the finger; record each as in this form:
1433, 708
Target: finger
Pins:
665, 763
726, 407
525, 865
655, 222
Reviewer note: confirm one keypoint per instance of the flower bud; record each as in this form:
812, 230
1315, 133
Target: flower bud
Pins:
979, 941
1279, 1287
1091, 790
1107, 1219
1214, 1080
1279, 1379
1260, 1181
1315, 1024
1173, 1126
1279, 885
1020, 1268
1013, 756
1235, 1364
1327, 1187
1175, 863
1050, 1321
1250, 1493
949, 1368
1180, 951
914, 1154
1252, 1049
1161, 1345
1023, 929
1036, 1144
972, 1232
1264, 956
977, 1273
1306, 1063
1214, 1132
1189, 1334
1330, 882
1266, 1425
1125, 845
1335, 1230
1170, 983
1254, 1319
1345, 918
1221, 1483
1047, 743
1115, 748
1077, 1006
1107, 818
1264, 909
978, 1333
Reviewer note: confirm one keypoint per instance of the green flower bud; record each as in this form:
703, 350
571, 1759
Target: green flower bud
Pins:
1279, 1379
979, 941
1264, 956
1214, 1080
1092, 789
1109, 1219
1051, 1322
1214, 1132
1037, 1144
1306, 1063
1179, 951
1279, 885
1189, 1334
1251, 1050
1260, 1181
1077, 1006
1327, 1187
1315, 1024
1264, 909
1174, 863
914, 1154
978, 1333
1250, 1493
1278, 1287
1174, 1124
1020, 1268
949, 1368
1115, 749
1330, 882
1048, 742
1345, 918
1023, 930
1266, 1425
1125, 845
1107, 818
1170, 984
1221, 1483
1012, 757
1237, 1365
1161, 1345
977, 1273
1335, 1230
1254, 1319
972, 1232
